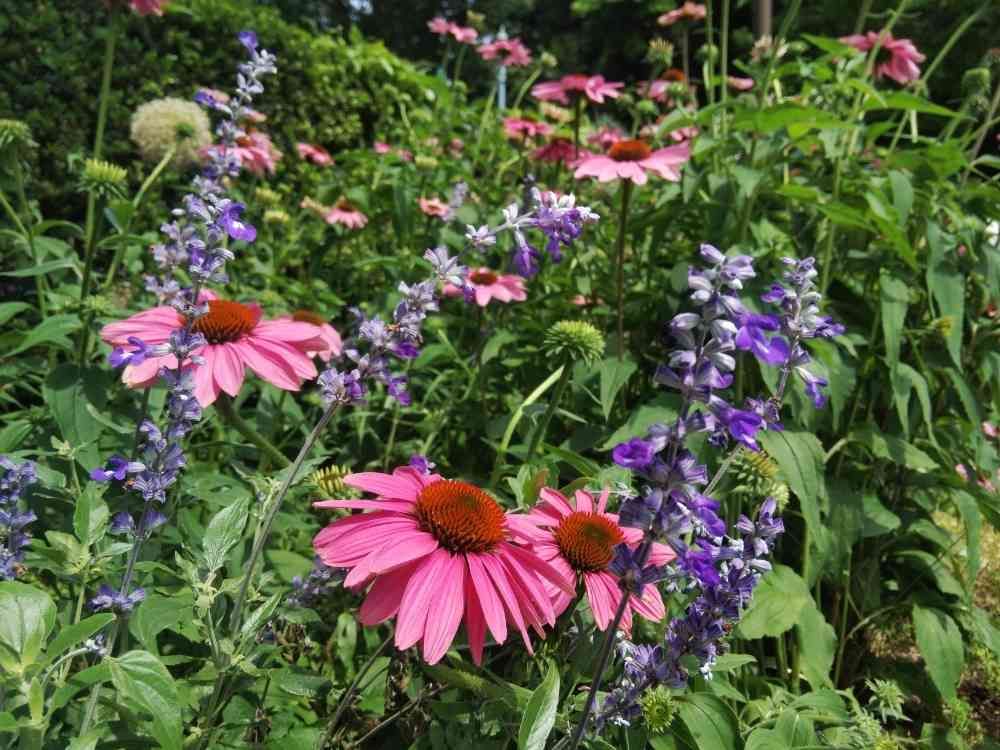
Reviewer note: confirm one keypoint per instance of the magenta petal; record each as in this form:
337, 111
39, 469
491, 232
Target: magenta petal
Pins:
383, 485
418, 598
475, 622
402, 549
449, 605
489, 600
385, 595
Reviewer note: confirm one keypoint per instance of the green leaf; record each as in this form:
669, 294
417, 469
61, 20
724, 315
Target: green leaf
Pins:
776, 605
159, 613
540, 713
970, 404
614, 375
288, 564
9, 309
905, 100
72, 635
892, 448
141, 679
223, 533
90, 515
895, 297
42, 268
27, 616
946, 283
710, 722
798, 119
972, 519
902, 194
52, 330
878, 520
904, 381
495, 344
817, 646
940, 643
68, 390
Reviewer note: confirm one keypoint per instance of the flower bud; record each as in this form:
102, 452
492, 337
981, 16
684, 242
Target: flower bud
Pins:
658, 709
574, 340
15, 133
104, 179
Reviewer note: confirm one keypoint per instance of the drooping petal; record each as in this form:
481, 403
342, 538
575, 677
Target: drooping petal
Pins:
401, 549
206, 390
449, 605
603, 595
385, 595
475, 621
228, 372
498, 575
401, 506
419, 597
489, 600
650, 604
391, 486
556, 499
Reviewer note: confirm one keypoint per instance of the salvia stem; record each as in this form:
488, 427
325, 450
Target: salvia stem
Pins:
620, 266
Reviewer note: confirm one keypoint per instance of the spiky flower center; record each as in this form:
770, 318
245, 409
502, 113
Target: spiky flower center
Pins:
483, 278
462, 517
343, 204
631, 150
225, 321
587, 540
308, 316
674, 75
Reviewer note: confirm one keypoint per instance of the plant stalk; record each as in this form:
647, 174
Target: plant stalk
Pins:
620, 267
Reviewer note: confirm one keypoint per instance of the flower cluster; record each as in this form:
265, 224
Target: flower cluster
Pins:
800, 319
15, 478
306, 592
557, 217
382, 341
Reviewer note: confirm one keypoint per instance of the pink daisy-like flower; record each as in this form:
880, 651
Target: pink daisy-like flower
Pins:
630, 160
522, 128
333, 344
433, 206
687, 12
489, 285
381, 147
606, 137
434, 552
253, 116
148, 7
316, 154
739, 84
238, 337
254, 151
897, 58
578, 539
517, 54
594, 88
344, 212
463, 34
962, 472
439, 25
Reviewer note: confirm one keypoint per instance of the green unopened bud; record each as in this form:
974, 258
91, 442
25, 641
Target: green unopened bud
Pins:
708, 53
867, 728
549, 60
425, 162
15, 133
781, 494
887, 742
104, 179
943, 325
658, 709
574, 340
475, 20
276, 216
330, 480
660, 52
267, 197
992, 59
756, 473
976, 81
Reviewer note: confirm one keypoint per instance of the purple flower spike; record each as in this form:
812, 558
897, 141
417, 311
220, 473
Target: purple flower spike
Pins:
117, 468
422, 463
234, 226
248, 39
634, 454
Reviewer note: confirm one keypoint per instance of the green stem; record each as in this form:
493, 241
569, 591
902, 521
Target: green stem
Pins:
110, 40
983, 131
557, 395
345, 698
620, 266
724, 60
88, 263
859, 24
30, 239
224, 406
782, 658
842, 630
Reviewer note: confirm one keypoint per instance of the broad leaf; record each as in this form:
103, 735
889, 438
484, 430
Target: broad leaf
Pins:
776, 605
223, 533
53, 330
142, 679
710, 721
27, 616
817, 646
614, 375
940, 643
895, 297
540, 713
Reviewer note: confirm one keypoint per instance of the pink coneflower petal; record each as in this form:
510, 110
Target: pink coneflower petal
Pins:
475, 620
385, 595
402, 549
600, 594
394, 505
449, 605
488, 598
422, 592
397, 486
500, 581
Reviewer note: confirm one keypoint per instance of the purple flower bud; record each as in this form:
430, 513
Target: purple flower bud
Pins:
633, 454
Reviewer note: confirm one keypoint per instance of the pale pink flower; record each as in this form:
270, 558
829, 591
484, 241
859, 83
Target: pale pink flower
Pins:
381, 147
631, 160
439, 25
522, 128
315, 206
516, 53
253, 116
344, 212
987, 484
962, 472
316, 154
578, 539
739, 84
238, 337
558, 150
990, 430
254, 151
405, 154
897, 58
434, 552
489, 285
148, 7
333, 345
433, 206
687, 12
606, 137
594, 88
463, 34
961, 250
683, 134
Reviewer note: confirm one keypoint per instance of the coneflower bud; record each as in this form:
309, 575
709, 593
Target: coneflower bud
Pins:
104, 179
330, 480
574, 340
276, 216
549, 60
425, 162
15, 133
976, 82
942, 325
658, 709
660, 52
267, 197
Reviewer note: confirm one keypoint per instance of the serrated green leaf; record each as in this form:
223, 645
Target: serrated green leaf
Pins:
777, 603
141, 678
27, 616
940, 643
71, 636
223, 533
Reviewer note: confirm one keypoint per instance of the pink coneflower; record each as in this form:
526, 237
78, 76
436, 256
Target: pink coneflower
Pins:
333, 344
897, 58
739, 84
687, 12
344, 212
962, 472
433, 206
238, 337
558, 150
990, 430
606, 137
463, 34
594, 88
489, 285
254, 117
439, 25
630, 160
520, 128
381, 147
683, 134
516, 53
148, 7
254, 151
435, 552
578, 539
316, 154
